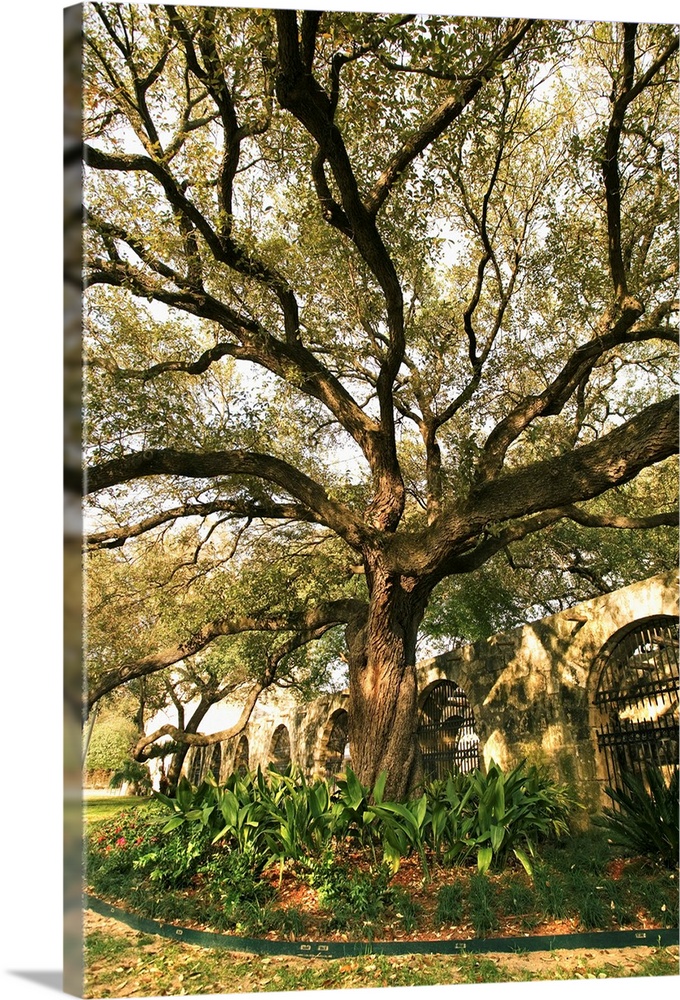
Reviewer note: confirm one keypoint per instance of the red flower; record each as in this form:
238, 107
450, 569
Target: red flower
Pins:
121, 842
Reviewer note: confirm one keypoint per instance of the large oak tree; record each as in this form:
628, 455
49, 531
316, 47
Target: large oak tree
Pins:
388, 293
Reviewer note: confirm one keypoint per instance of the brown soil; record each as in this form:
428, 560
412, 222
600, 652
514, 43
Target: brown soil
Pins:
292, 891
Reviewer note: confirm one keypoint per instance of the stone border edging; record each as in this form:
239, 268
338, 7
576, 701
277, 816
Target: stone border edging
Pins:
655, 937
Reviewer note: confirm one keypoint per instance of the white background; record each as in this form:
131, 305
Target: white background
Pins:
30, 609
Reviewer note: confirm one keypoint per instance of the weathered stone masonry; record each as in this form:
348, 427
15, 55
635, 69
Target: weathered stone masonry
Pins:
531, 691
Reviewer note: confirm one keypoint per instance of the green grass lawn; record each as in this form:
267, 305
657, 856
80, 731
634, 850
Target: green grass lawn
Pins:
125, 962
96, 809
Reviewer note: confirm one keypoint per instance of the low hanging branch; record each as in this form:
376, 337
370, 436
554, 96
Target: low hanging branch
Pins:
665, 519
199, 739
182, 736
115, 537
323, 616
169, 461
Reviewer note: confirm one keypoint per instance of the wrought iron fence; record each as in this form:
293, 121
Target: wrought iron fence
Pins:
195, 768
446, 732
637, 699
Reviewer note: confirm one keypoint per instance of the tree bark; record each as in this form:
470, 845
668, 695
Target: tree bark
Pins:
383, 699
177, 761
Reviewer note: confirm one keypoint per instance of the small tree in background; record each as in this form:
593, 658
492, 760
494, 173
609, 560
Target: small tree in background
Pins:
111, 744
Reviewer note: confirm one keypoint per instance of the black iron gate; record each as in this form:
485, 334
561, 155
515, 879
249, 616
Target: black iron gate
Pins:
213, 760
195, 768
446, 732
637, 699
202, 760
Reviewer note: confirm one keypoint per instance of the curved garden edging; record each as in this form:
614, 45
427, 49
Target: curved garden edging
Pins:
655, 937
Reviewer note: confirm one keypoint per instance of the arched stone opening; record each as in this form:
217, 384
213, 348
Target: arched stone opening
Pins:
334, 756
241, 756
446, 731
279, 751
635, 702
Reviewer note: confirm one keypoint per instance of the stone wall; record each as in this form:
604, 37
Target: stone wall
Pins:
308, 727
531, 691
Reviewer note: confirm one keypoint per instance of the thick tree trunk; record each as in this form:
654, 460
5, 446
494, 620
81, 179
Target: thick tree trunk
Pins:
178, 758
175, 769
383, 689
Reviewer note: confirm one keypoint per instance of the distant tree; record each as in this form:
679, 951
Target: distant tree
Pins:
384, 294
111, 743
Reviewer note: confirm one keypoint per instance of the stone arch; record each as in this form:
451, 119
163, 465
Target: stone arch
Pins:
446, 730
634, 699
279, 749
241, 757
333, 755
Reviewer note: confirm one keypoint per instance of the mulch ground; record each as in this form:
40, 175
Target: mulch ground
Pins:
292, 891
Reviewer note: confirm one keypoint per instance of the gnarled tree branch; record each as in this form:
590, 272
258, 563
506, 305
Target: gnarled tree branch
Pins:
168, 461
311, 620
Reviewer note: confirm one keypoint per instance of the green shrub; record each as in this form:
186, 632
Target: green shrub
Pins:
496, 814
646, 820
405, 908
593, 910
481, 902
289, 921
517, 898
115, 845
233, 877
134, 774
353, 895
111, 744
551, 891
279, 815
255, 918
285, 818
301, 822
173, 860
658, 892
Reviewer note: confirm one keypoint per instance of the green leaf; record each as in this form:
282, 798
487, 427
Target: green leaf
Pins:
420, 810
172, 824
379, 789
355, 790
524, 859
497, 836
484, 859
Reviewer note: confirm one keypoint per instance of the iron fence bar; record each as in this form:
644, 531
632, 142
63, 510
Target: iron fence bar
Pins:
641, 670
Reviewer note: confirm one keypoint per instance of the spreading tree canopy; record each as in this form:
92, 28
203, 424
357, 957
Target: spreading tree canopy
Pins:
371, 299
